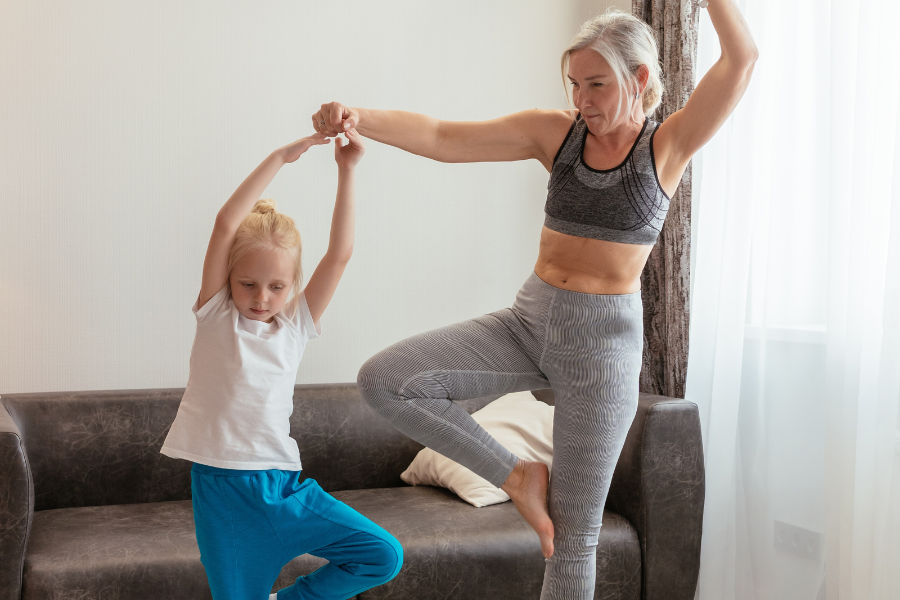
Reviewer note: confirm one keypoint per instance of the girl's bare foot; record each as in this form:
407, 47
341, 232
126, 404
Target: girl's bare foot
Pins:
527, 487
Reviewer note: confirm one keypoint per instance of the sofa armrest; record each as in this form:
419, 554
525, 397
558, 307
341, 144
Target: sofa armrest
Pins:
16, 506
659, 485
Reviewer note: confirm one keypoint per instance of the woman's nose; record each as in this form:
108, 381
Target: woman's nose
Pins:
577, 100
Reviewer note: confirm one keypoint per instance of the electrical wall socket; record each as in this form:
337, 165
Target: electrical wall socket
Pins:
797, 540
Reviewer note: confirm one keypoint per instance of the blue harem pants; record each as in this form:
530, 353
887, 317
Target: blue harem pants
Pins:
250, 523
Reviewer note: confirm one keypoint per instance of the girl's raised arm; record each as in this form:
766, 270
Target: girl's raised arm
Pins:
238, 206
325, 278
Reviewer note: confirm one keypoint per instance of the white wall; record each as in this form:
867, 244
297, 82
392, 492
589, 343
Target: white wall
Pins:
125, 126
585, 9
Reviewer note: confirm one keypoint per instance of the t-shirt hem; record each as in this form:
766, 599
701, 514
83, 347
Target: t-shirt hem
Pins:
229, 464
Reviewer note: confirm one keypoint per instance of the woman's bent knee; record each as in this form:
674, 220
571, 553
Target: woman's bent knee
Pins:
380, 380
373, 381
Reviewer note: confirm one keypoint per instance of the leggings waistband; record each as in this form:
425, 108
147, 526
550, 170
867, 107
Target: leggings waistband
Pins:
222, 472
600, 300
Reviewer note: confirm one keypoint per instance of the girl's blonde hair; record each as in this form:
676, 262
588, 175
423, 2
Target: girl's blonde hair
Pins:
267, 229
626, 43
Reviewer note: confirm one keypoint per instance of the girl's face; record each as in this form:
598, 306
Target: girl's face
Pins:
595, 92
260, 283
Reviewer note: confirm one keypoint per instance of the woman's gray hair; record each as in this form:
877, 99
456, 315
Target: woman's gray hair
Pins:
626, 43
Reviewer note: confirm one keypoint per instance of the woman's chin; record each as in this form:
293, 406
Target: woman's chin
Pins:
596, 125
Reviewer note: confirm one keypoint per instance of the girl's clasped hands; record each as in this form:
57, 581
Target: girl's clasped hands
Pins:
346, 155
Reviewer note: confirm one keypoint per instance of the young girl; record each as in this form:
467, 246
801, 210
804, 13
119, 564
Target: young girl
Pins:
251, 514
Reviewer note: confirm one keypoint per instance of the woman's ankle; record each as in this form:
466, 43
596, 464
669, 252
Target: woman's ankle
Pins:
515, 478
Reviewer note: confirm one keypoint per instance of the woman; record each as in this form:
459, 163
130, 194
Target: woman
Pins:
577, 323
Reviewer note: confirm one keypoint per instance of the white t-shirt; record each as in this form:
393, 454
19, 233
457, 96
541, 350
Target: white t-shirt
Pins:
236, 407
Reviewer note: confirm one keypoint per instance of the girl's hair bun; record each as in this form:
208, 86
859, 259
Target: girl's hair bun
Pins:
264, 206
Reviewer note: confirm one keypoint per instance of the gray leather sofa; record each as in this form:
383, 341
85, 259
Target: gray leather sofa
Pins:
90, 509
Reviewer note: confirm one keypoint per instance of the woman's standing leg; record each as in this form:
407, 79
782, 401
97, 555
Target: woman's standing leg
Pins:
593, 361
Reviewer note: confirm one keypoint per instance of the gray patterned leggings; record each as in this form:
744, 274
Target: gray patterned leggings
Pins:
586, 347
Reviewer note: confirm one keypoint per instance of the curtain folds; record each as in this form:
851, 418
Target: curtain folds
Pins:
665, 282
795, 328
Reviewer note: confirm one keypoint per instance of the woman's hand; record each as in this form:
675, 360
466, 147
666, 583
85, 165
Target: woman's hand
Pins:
334, 118
292, 152
347, 156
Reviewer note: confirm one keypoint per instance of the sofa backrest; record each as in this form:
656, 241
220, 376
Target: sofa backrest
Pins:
102, 447
345, 445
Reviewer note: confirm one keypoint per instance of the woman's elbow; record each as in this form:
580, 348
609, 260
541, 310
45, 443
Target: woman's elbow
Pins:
747, 56
741, 63
752, 55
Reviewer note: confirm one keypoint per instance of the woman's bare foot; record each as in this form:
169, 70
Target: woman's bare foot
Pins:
527, 487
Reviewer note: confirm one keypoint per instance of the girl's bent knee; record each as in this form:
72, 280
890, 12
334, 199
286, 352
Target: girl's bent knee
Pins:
391, 559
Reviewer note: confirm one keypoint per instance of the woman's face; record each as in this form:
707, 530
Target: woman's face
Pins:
595, 92
260, 283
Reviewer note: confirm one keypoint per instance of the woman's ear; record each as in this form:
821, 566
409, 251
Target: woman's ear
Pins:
643, 76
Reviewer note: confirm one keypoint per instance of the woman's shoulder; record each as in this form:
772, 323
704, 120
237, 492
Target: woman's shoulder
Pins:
554, 121
551, 128
539, 123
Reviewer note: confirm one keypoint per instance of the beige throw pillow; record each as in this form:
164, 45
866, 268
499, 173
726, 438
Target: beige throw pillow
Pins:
521, 423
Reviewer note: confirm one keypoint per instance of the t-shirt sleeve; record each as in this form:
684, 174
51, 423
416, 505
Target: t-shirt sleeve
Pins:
217, 303
303, 320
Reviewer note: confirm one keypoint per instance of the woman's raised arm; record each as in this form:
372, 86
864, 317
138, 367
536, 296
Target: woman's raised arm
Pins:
519, 136
715, 97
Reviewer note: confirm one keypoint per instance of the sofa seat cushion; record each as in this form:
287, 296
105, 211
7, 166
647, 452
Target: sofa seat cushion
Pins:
123, 552
451, 550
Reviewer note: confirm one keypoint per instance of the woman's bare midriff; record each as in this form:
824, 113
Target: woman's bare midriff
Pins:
590, 266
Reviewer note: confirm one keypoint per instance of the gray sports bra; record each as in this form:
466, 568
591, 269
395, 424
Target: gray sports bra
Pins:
624, 204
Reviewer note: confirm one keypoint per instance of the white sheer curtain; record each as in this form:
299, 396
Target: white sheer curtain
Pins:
795, 316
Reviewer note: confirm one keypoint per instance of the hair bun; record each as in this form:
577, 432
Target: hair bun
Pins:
264, 206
